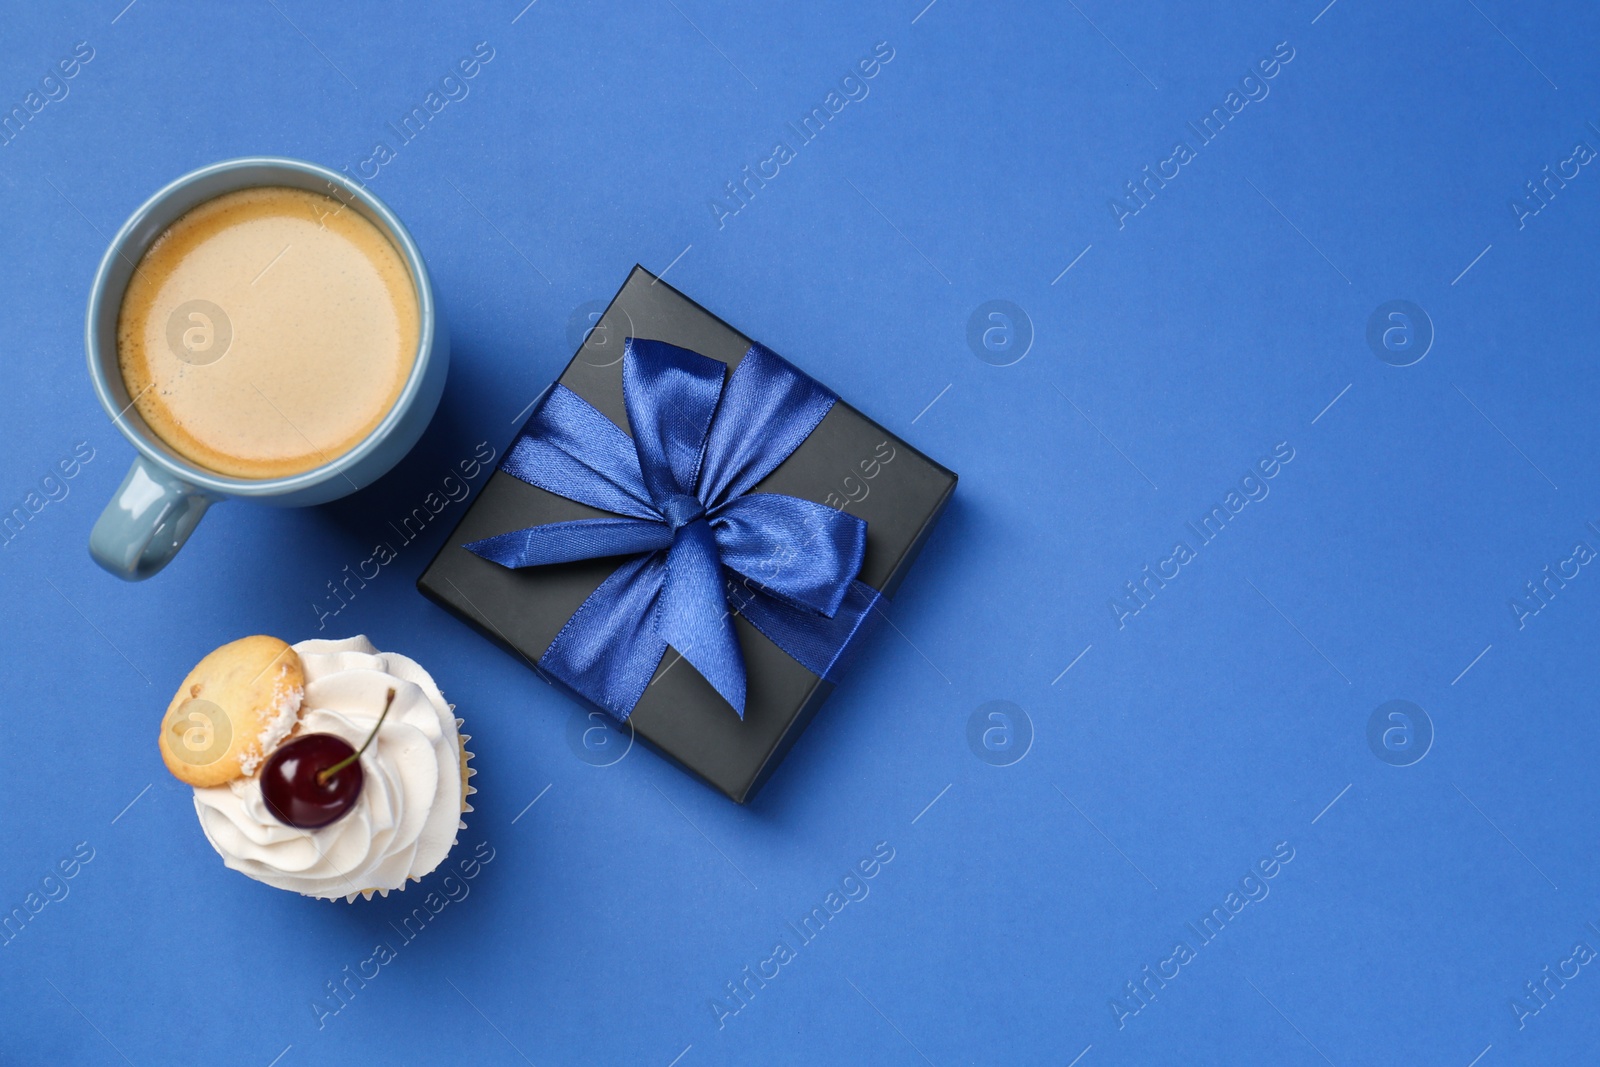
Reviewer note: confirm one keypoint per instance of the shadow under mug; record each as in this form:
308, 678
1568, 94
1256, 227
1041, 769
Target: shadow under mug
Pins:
164, 495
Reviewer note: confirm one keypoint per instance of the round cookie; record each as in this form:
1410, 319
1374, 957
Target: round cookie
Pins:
232, 710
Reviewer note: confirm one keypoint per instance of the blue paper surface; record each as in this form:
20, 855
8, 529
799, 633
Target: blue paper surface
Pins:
1071, 778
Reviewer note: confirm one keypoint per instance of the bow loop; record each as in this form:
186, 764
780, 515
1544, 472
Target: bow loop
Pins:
568, 448
703, 547
671, 394
768, 408
791, 548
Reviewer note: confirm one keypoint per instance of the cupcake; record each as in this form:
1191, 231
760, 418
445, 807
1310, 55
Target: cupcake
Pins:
327, 768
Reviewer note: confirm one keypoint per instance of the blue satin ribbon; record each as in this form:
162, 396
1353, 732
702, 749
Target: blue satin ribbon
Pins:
703, 546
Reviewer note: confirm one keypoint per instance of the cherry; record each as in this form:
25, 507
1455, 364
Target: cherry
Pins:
316, 779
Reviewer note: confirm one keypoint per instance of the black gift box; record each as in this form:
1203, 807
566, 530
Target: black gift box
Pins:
848, 461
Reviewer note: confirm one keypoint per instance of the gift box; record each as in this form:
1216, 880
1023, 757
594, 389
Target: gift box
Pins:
691, 535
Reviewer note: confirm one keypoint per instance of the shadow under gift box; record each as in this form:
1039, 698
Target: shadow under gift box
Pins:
680, 713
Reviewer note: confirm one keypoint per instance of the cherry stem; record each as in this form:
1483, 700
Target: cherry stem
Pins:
323, 776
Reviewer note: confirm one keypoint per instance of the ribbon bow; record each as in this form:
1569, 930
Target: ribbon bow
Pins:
704, 546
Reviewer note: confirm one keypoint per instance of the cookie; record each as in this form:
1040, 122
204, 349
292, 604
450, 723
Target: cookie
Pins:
232, 710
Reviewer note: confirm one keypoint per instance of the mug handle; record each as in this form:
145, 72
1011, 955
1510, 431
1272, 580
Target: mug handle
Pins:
147, 521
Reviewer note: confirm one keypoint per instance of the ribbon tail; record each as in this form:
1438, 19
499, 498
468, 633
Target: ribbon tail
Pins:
609, 650
822, 645
695, 618
564, 542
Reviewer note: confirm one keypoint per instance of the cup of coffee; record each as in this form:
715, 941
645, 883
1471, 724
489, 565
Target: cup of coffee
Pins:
261, 329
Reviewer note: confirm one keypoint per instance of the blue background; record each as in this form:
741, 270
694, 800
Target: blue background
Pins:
1181, 746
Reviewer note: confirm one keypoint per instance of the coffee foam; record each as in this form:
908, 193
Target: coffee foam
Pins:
267, 332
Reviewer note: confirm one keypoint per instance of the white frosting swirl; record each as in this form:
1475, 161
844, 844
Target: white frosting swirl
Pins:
404, 822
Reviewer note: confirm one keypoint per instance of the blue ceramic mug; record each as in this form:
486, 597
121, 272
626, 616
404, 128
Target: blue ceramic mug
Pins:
164, 495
